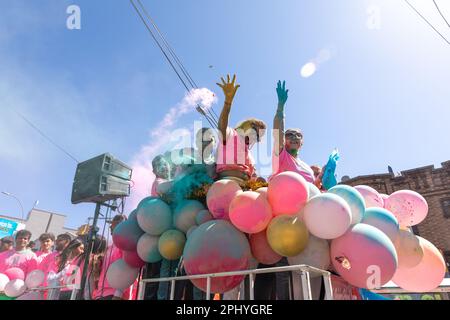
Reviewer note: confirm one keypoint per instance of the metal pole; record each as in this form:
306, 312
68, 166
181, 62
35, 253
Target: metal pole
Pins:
328, 287
252, 286
172, 290
13, 196
74, 294
141, 291
208, 287
306, 285
89, 250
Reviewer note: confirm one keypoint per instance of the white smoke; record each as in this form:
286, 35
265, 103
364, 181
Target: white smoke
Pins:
161, 138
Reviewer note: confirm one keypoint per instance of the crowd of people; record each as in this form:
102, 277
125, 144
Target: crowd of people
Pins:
61, 259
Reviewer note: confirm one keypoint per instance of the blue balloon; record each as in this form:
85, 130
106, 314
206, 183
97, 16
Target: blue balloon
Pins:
384, 220
154, 216
354, 199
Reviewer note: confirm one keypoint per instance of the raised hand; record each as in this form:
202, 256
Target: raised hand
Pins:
229, 88
282, 92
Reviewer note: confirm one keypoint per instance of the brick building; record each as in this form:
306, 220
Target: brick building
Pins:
433, 184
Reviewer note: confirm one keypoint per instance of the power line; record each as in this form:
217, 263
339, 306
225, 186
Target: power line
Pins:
439, 10
425, 19
210, 116
207, 114
46, 136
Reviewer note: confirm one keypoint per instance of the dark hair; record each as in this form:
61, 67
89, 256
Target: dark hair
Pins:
65, 254
7, 239
23, 233
46, 236
64, 236
30, 244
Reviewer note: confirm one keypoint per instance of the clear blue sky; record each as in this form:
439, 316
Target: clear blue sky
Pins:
382, 98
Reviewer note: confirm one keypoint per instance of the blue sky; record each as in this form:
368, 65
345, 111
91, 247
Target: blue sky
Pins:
382, 97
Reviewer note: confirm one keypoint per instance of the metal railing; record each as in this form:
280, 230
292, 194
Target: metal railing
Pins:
305, 271
73, 287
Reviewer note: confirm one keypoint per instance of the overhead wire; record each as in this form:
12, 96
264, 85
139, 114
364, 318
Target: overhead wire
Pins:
442, 15
31, 124
428, 22
213, 115
210, 116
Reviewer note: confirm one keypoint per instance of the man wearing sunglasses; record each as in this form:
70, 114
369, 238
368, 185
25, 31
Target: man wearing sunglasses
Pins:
287, 144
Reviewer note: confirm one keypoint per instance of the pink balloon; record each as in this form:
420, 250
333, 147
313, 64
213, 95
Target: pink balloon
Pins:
371, 196
250, 212
15, 273
427, 275
261, 249
219, 197
409, 207
132, 259
365, 257
287, 193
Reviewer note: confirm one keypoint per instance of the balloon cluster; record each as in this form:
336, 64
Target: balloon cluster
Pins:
361, 234
14, 283
357, 232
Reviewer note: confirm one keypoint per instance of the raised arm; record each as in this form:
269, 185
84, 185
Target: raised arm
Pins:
229, 90
278, 120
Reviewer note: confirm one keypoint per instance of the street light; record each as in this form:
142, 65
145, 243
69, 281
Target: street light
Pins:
13, 196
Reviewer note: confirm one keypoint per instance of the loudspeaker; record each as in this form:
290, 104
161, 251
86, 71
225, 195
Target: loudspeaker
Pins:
101, 179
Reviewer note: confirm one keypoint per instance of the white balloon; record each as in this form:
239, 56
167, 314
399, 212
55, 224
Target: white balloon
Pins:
15, 288
120, 275
327, 216
3, 281
316, 254
35, 278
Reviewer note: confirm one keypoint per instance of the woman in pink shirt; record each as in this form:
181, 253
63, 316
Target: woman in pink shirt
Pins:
234, 159
66, 269
287, 144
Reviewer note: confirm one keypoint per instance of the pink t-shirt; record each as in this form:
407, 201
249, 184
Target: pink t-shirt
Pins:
104, 289
155, 185
47, 260
25, 260
41, 255
287, 162
234, 154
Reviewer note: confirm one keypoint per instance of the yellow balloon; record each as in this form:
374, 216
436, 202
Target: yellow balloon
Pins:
171, 244
287, 235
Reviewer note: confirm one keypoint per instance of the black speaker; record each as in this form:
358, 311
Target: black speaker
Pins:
101, 179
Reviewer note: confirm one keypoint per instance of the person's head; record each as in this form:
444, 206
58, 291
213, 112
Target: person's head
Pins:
205, 141
161, 167
116, 220
317, 170
253, 129
293, 141
6, 244
47, 240
73, 250
22, 239
31, 245
62, 241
